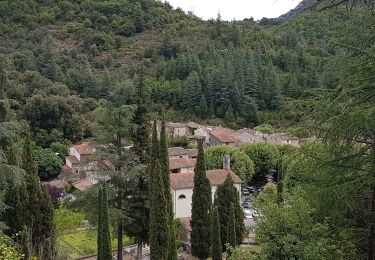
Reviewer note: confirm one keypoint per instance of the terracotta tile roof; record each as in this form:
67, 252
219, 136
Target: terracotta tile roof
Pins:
181, 163
72, 159
192, 152
175, 151
186, 180
185, 223
83, 184
223, 136
84, 149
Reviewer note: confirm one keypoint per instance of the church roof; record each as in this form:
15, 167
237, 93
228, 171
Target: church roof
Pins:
186, 180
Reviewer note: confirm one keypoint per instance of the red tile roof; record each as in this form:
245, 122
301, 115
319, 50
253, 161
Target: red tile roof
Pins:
72, 159
84, 149
224, 137
175, 151
83, 184
186, 180
181, 163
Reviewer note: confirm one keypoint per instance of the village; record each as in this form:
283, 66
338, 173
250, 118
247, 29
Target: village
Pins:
82, 169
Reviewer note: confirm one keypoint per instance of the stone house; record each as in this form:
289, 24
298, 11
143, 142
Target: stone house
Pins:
182, 153
175, 130
220, 137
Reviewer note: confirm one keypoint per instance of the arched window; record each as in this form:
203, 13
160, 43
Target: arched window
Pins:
182, 196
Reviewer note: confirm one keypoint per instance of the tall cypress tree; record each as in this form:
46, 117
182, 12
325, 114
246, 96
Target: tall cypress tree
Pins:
227, 194
11, 215
100, 225
216, 240
138, 209
164, 161
231, 232
201, 205
40, 209
141, 119
159, 214
106, 236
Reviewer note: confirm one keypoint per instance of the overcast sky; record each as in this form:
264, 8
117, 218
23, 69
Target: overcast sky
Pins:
238, 9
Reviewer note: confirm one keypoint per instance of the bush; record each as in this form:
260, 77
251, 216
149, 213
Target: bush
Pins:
102, 40
49, 164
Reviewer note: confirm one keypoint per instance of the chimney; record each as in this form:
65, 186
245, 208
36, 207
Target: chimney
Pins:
226, 163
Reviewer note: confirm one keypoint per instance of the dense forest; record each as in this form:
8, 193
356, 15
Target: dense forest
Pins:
67, 66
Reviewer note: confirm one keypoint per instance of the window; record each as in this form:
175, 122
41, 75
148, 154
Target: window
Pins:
182, 196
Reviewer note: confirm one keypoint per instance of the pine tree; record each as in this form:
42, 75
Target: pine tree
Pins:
231, 232
106, 236
216, 240
158, 214
100, 225
138, 18
201, 205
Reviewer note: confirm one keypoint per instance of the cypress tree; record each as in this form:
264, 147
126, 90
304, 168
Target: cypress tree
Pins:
141, 136
158, 216
231, 232
227, 194
39, 208
201, 205
100, 225
138, 208
106, 236
164, 160
12, 216
216, 240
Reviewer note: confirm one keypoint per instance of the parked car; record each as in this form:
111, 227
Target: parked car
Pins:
255, 214
247, 200
251, 189
246, 205
247, 213
245, 192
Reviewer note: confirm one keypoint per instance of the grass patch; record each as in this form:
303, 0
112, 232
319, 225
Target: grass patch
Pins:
83, 242
255, 249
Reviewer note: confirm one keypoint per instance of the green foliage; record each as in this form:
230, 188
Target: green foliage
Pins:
66, 220
265, 129
104, 236
49, 164
7, 249
241, 164
201, 206
216, 237
231, 231
265, 157
159, 219
227, 195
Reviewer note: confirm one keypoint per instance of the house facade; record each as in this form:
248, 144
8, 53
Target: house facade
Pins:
182, 185
175, 130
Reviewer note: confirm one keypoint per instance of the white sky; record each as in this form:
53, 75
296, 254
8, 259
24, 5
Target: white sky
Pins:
238, 9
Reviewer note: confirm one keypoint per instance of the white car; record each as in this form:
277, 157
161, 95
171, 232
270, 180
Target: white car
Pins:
248, 213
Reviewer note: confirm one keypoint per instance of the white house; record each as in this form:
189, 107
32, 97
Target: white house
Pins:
182, 185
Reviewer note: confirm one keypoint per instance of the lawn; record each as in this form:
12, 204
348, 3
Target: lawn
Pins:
83, 242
